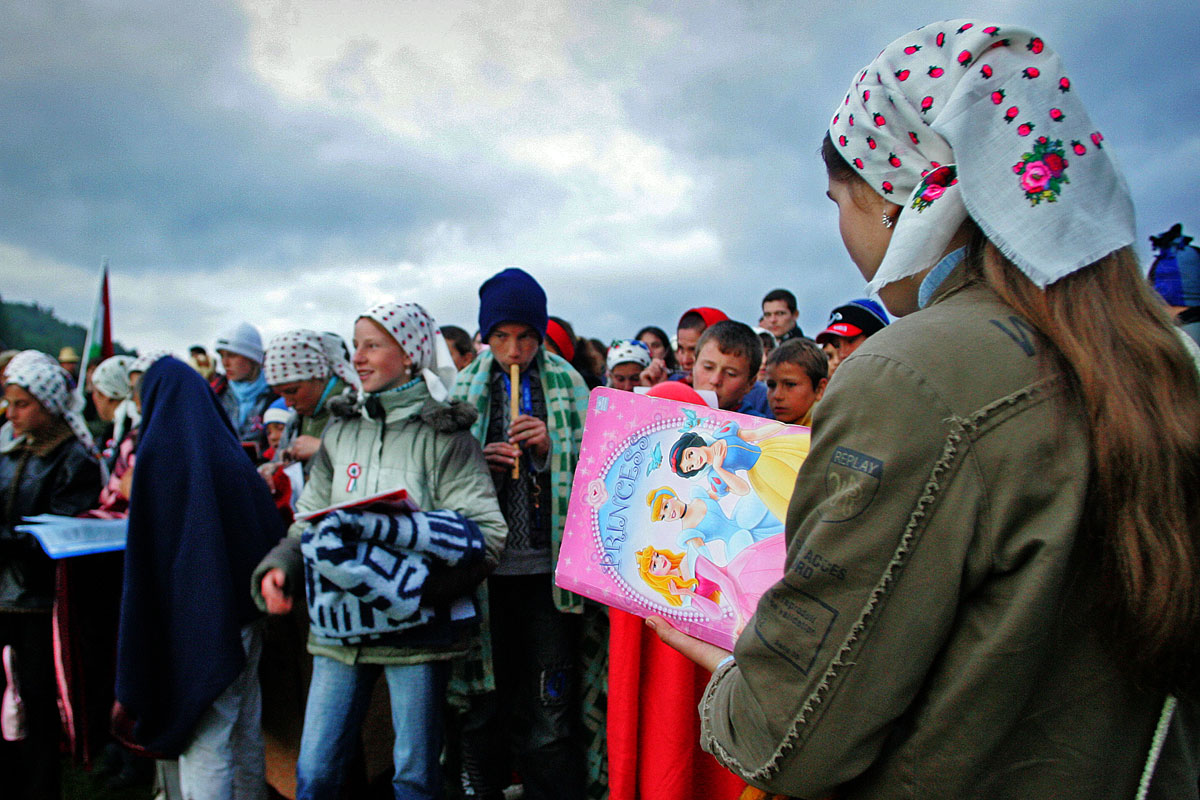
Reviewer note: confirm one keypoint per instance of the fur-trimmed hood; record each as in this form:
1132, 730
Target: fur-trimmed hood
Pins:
442, 417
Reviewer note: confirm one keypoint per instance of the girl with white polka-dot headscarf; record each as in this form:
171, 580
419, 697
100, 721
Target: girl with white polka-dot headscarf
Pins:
418, 334
41, 376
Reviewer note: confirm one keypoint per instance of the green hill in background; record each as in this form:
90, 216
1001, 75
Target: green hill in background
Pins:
28, 326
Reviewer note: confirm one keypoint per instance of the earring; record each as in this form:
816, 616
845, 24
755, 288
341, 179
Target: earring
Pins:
888, 221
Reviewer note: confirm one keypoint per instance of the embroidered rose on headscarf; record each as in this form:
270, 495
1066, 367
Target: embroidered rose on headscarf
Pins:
1036, 177
934, 185
1043, 171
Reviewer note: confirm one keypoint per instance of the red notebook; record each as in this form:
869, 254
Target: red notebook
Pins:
393, 501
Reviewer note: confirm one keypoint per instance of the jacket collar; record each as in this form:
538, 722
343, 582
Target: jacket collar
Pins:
46, 444
399, 404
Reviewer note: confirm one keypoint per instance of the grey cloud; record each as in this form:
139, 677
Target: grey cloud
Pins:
132, 136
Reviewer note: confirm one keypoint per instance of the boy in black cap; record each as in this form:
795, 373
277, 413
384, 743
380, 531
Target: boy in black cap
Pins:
849, 326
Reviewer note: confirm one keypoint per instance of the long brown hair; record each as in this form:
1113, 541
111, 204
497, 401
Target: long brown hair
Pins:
1112, 340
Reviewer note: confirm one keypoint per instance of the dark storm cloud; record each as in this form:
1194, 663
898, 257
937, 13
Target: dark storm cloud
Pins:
143, 134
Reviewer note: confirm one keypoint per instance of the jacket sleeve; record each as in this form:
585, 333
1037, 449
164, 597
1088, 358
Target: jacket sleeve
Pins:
465, 485
317, 485
838, 649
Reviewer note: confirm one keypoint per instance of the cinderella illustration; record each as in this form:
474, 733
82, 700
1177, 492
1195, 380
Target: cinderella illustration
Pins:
703, 521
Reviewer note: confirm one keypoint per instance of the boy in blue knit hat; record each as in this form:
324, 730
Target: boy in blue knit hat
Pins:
532, 709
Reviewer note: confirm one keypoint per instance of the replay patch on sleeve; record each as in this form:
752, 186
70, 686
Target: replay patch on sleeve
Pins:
794, 625
851, 482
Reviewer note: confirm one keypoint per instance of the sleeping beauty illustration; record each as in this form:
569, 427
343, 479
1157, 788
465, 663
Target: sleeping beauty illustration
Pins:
712, 588
703, 521
769, 456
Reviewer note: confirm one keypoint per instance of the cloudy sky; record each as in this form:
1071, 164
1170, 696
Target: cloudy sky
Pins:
288, 163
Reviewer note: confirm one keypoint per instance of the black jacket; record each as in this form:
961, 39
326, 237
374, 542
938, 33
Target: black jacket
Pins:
57, 476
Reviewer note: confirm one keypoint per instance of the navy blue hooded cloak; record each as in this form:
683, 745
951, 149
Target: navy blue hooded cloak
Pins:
200, 520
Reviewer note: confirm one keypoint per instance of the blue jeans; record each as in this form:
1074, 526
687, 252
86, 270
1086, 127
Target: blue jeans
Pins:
337, 704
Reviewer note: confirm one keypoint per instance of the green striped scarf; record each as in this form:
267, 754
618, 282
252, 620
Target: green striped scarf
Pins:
566, 398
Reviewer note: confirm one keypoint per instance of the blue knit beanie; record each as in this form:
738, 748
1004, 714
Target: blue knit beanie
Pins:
512, 296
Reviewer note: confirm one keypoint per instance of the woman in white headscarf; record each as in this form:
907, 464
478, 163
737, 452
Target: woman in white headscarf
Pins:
112, 397
48, 467
992, 586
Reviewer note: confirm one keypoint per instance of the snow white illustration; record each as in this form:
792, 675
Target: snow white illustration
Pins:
770, 460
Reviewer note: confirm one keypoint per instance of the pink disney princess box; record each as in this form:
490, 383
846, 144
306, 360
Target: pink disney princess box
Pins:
678, 510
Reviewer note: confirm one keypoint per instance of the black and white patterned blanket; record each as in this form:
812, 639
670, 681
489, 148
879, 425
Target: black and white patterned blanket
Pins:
364, 572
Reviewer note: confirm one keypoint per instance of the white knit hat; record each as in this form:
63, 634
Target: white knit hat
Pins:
244, 340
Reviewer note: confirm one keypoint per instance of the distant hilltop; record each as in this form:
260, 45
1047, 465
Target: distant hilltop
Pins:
28, 326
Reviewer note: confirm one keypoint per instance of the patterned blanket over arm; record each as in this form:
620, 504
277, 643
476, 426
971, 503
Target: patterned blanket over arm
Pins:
364, 572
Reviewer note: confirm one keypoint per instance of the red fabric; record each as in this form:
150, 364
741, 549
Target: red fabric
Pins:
653, 726
562, 340
281, 492
106, 343
711, 316
676, 390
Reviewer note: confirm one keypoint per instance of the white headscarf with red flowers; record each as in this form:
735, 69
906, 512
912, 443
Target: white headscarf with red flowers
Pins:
41, 376
417, 333
966, 118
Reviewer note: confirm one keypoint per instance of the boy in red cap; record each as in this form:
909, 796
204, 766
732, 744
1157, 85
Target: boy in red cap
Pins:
849, 326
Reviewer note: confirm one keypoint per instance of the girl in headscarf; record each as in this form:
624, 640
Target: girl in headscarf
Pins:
200, 520
48, 466
111, 394
307, 369
405, 434
992, 584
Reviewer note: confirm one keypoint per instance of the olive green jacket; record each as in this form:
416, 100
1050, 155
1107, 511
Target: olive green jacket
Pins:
934, 635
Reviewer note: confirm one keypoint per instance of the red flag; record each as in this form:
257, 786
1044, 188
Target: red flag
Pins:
98, 345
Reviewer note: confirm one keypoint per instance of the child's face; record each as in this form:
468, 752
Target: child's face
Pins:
728, 375
685, 351
25, 412
654, 344
790, 391
274, 433
625, 376
303, 395
514, 343
237, 366
380, 361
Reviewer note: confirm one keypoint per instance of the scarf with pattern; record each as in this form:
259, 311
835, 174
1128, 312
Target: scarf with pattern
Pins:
967, 118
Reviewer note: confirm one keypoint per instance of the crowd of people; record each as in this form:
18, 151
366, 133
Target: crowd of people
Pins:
1002, 486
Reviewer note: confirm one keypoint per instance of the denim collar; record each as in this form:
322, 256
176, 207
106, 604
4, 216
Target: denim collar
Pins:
938, 274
